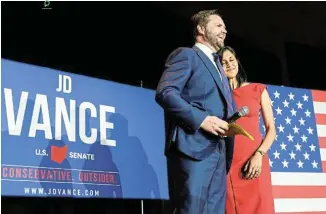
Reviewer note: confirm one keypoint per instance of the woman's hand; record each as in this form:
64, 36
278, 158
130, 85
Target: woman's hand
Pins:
252, 168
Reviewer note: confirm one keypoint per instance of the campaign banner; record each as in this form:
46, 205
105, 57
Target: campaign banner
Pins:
68, 135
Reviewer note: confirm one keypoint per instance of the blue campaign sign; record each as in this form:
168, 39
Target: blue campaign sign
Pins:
67, 135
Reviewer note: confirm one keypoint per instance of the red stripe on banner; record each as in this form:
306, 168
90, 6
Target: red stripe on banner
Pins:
320, 119
299, 191
319, 96
305, 212
322, 142
323, 163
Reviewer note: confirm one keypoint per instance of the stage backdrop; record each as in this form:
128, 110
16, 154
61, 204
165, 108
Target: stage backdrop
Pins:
68, 135
74, 136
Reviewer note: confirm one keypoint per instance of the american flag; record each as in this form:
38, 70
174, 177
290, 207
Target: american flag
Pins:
298, 155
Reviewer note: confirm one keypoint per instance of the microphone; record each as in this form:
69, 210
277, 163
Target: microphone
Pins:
244, 111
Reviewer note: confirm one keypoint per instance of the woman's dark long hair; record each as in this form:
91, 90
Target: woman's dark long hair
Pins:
241, 75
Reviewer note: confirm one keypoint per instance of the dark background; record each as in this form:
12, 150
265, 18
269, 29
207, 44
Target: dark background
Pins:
278, 43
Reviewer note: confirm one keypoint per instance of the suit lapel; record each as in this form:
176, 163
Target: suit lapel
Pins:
211, 68
235, 108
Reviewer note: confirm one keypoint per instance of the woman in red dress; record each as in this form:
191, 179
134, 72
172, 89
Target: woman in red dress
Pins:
249, 188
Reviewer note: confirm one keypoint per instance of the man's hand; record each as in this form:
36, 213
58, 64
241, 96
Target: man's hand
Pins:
215, 126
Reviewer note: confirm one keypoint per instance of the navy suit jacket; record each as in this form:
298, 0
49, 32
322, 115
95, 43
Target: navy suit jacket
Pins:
190, 89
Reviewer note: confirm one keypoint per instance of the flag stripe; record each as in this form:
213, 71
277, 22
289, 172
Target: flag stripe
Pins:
299, 192
319, 96
321, 130
321, 118
323, 154
298, 179
300, 205
322, 142
320, 107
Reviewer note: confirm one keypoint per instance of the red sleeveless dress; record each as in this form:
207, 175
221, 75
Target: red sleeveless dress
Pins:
249, 196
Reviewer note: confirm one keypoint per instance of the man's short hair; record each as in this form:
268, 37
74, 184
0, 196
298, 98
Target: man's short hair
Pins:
201, 18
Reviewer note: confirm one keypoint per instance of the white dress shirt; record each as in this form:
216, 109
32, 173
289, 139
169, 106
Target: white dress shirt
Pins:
209, 53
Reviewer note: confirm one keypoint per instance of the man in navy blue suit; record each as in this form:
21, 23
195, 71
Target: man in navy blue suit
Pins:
197, 99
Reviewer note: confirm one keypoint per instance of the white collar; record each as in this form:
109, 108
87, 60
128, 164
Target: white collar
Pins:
209, 52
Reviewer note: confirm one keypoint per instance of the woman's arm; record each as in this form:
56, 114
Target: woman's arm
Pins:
252, 168
268, 117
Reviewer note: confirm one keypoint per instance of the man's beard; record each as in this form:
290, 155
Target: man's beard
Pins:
213, 41
219, 45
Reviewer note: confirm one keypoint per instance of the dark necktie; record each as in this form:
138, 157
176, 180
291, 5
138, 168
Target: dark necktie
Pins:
226, 85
